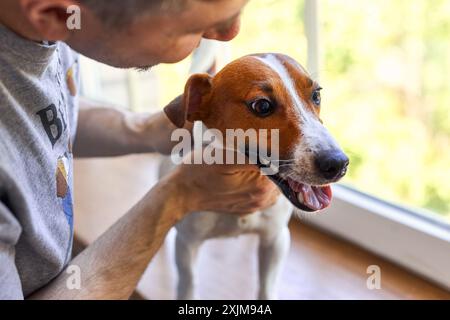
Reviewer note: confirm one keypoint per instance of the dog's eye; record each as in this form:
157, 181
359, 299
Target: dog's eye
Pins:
316, 98
262, 107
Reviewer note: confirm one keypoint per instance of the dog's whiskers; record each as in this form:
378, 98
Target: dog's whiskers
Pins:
280, 160
292, 175
287, 164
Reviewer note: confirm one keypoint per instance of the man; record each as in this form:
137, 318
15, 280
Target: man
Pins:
43, 124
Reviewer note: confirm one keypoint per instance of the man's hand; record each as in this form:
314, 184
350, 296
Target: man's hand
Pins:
114, 263
227, 188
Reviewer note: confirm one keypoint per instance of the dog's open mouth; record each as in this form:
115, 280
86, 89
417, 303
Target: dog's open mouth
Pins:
304, 197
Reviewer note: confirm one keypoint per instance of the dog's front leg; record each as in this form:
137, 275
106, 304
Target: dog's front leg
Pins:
185, 254
272, 252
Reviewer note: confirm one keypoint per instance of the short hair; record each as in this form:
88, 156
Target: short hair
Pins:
120, 12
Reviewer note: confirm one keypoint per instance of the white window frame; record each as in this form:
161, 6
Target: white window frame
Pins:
408, 237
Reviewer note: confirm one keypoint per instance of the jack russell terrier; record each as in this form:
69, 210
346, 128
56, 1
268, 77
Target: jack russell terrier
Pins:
263, 91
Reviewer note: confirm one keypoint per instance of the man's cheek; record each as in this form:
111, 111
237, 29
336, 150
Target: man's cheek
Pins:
182, 49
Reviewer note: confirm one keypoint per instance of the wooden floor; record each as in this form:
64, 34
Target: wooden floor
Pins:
319, 266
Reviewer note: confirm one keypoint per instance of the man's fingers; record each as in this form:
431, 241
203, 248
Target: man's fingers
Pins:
233, 188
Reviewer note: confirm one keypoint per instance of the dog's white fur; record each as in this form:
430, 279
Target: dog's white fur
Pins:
271, 224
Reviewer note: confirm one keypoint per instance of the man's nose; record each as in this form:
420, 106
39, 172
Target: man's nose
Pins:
332, 164
225, 33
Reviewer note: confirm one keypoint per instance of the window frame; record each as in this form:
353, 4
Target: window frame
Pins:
408, 237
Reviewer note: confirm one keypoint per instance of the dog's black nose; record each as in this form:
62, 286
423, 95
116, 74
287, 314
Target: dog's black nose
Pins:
332, 164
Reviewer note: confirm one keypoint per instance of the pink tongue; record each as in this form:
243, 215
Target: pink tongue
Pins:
316, 198
294, 185
323, 194
310, 198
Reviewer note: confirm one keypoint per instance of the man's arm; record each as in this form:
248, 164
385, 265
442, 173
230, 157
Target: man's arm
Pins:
112, 266
104, 132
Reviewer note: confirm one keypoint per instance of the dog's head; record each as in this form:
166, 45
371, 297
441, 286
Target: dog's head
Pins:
271, 91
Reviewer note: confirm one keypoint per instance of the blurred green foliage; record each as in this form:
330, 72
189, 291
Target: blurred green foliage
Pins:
385, 70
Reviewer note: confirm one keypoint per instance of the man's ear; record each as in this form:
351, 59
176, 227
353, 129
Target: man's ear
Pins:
191, 105
48, 17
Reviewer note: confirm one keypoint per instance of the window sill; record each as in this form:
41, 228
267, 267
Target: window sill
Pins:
417, 242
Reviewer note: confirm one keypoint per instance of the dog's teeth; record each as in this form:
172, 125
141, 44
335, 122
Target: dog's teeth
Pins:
300, 197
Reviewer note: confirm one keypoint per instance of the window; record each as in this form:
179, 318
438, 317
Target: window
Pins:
385, 68
386, 71
121, 88
388, 85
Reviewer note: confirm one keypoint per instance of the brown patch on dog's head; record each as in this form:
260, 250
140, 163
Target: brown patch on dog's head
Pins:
238, 97
223, 102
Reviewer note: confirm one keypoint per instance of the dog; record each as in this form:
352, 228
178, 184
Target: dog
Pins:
261, 91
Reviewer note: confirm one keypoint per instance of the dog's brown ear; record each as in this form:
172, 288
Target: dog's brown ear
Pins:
189, 105
175, 111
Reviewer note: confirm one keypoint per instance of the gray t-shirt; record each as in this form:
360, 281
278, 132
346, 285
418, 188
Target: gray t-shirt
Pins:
38, 118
